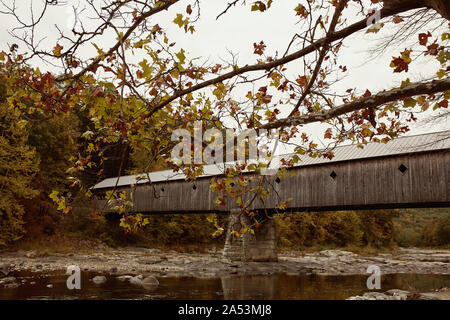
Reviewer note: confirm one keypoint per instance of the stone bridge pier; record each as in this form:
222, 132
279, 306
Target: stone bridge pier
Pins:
260, 246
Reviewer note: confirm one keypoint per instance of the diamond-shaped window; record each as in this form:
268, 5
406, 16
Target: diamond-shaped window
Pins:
402, 168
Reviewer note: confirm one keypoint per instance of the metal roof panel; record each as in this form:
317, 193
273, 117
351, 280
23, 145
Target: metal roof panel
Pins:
402, 145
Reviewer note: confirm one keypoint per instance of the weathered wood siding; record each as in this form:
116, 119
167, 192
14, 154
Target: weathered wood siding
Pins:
359, 184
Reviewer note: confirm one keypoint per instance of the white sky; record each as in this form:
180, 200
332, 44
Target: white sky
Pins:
238, 30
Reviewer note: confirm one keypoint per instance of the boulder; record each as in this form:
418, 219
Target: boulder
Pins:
150, 283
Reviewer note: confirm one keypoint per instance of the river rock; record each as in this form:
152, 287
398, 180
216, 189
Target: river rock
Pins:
402, 294
336, 253
150, 283
137, 280
4, 270
396, 294
31, 254
12, 285
99, 279
428, 296
7, 280
124, 278
149, 260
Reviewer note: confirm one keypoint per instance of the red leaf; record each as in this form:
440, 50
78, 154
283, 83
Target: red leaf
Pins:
259, 48
423, 38
367, 93
433, 49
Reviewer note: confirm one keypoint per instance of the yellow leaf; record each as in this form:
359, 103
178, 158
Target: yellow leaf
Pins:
441, 73
179, 20
57, 50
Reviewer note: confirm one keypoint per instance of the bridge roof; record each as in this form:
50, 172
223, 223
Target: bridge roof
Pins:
403, 145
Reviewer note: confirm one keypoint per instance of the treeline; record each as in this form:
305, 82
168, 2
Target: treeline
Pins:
301, 230
423, 227
337, 228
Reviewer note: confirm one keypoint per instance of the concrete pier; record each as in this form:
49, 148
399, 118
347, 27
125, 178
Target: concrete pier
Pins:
260, 246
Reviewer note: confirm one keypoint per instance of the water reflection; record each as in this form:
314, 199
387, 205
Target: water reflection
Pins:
278, 286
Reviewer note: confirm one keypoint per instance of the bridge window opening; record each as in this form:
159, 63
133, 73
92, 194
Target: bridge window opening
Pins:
402, 168
194, 187
333, 175
278, 180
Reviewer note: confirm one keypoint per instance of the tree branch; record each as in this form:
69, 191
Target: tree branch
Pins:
323, 53
379, 99
289, 58
127, 34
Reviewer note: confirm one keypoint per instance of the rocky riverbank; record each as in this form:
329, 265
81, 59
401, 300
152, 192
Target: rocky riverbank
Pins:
396, 294
212, 264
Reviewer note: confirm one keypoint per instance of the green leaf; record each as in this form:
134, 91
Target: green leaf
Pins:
409, 103
180, 55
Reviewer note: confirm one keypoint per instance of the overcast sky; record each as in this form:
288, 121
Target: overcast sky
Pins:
237, 31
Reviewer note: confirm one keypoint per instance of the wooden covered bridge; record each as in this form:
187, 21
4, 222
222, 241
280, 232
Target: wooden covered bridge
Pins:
411, 171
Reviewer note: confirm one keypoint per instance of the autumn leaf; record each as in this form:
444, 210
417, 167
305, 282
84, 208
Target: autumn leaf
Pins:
367, 94
397, 19
301, 11
179, 20
301, 81
57, 50
441, 73
423, 38
259, 48
180, 55
401, 63
189, 9
432, 49
443, 103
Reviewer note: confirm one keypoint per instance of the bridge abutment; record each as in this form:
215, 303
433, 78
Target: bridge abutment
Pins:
260, 246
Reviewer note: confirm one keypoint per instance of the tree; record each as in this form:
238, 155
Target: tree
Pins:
18, 165
143, 80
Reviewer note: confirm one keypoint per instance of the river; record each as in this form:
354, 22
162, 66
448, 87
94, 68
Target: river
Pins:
276, 286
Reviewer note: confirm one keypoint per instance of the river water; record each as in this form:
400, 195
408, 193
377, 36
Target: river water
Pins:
277, 286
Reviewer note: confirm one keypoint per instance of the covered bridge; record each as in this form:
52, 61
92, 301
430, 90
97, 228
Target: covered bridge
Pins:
411, 171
